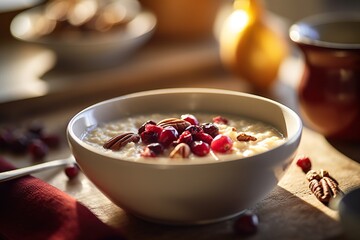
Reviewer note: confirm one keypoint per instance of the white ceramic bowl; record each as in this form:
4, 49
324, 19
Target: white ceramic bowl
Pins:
186, 193
96, 49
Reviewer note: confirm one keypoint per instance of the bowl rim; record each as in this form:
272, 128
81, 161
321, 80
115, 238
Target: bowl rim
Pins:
288, 140
296, 35
126, 34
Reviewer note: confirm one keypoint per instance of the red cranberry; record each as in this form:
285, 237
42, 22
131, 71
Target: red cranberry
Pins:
304, 163
142, 128
157, 148
168, 135
185, 137
190, 118
72, 171
220, 120
149, 137
203, 137
153, 128
36, 128
6, 138
51, 140
246, 224
38, 149
19, 144
210, 129
193, 129
200, 148
151, 133
221, 143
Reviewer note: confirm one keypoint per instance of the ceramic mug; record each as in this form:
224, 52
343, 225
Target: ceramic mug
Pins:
329, 91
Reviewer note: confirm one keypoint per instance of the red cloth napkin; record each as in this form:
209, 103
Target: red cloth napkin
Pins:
33, 209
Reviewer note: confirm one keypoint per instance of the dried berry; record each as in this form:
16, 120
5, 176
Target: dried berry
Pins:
142, 128
36, 128
38, 149
246, 224
193, 129
185, 137
190, 118
156, 148
203, 137
304, 163
72, 171
200, 148
168, 135
221, 143
51, 140
210, 129
220, 120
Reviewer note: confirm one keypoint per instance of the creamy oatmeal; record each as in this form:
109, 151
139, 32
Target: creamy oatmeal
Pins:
175, 137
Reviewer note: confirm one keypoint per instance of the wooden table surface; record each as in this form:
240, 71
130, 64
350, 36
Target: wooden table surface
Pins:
290, 211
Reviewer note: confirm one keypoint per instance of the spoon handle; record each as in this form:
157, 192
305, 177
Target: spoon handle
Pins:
12, 174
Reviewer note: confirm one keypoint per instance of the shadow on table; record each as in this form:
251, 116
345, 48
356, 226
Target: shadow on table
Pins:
282, 216
350, 149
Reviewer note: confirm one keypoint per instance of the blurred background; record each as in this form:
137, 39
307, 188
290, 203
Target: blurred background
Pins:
55, 52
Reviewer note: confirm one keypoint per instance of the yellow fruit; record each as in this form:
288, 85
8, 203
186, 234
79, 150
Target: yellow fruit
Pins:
249, 47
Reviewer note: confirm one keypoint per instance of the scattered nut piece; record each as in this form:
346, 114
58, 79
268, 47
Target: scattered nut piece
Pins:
243, 137
119, 141
181, 150
322, 185
312, 174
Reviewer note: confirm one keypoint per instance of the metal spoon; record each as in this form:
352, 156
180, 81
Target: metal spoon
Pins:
13, 174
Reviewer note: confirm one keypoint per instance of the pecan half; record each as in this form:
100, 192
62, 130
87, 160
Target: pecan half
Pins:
119, 141
243, 137
181, 150
322, 185
178, 124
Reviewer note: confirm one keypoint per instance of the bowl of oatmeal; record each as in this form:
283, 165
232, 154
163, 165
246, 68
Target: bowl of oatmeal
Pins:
185, 156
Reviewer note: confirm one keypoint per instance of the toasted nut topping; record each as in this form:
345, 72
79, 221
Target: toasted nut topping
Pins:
119, 141
243, 137
178, 124
181, 150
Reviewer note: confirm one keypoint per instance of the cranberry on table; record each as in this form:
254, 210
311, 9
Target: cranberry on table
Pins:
38, 149
19, 144
36, 128
200, 148
246, 224
190, 118
221, 143
51, 140
72, 171
304, 163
